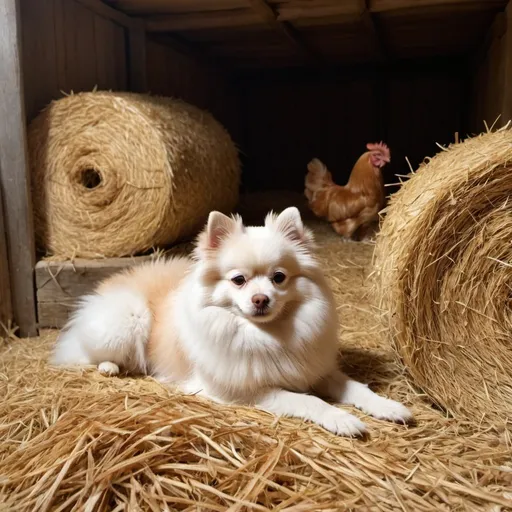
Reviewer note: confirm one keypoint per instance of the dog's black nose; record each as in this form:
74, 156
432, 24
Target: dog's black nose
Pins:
260, 300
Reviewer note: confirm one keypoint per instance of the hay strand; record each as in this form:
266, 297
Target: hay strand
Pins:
444, 277
131, 444
115, 174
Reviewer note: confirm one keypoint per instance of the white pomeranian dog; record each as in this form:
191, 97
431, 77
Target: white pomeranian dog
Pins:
250, 320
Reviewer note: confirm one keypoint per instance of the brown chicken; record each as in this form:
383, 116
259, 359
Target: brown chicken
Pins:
355, 205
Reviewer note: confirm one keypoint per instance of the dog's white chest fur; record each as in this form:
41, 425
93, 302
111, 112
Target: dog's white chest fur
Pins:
237, 359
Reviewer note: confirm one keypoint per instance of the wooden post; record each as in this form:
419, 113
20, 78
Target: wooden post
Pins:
15, 173
5, 284
506, 110
136, 48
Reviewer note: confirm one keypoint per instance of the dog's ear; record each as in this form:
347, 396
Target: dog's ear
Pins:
289, 223
218, 227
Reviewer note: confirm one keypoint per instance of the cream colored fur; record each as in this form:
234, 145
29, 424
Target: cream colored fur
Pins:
195, 324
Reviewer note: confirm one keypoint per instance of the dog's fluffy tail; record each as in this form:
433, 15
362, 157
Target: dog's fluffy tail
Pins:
113, 326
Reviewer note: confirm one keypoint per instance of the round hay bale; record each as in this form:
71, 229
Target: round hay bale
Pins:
443, 266
114, 174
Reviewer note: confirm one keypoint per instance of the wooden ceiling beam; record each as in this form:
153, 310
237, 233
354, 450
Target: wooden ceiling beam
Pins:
395, 5
110, 13
195, 52
372, 30
281, 17
496, 31
204, 20
146, 7
268, 15
306, 9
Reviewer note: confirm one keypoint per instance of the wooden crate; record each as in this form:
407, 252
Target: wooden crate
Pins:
60, 283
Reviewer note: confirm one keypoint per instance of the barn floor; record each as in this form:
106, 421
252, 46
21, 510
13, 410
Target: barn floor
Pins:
74, 440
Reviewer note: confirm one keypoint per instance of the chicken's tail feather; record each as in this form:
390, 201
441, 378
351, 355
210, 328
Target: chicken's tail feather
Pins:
317, 167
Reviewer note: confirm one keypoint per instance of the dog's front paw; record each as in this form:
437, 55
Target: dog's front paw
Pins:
342, 423
386, 409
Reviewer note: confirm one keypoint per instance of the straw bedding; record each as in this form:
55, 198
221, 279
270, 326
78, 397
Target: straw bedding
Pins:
443, 259
115, 174
79, 441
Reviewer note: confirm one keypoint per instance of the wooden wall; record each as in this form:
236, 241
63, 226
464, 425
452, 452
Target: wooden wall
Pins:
67, 47
171, 72
492, 76
5, 285
290, 120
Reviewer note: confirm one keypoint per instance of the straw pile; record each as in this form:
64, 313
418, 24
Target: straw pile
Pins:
115, 174
444, 266
79, 441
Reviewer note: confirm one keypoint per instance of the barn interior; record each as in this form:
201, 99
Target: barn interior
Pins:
293, 79
290, 80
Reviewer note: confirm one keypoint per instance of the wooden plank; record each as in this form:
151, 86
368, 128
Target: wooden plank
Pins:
497, 30
104, 36
270, 17
394, 5
80, 47
175, 6
120, 57
102, 9
195, 52
507, 85
199, 21
301, 9
41, 79
111, 49
60, 284
5, 284
490, 67
137, 69
372, 31
68, 47
305, 9
60, 46
14, 171
54, 315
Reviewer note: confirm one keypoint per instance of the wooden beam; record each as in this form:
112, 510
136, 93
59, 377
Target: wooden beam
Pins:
299, 9
196, 52
371, 30
200, 21
507, 87
135, 41
270, 18
144, 7
102, 9
15, 171
395, 5
5, 283
303, 9
497, 30
136, 59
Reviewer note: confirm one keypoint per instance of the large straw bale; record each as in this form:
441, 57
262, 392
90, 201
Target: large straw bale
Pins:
115, 174
444, 273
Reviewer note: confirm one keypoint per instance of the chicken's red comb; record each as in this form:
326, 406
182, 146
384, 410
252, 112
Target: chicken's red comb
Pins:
379, 146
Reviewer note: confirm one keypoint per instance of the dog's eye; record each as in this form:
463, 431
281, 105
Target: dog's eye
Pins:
238, 280
279, 278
